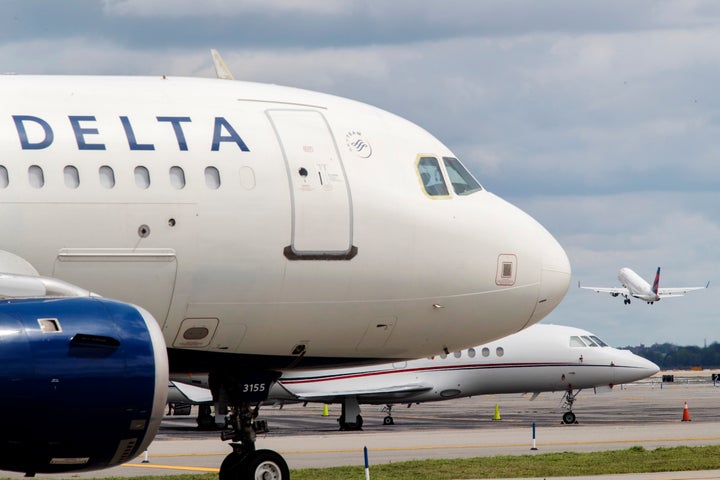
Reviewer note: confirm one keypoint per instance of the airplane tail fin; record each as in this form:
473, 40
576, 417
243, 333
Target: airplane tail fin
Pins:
221, 69
656, 283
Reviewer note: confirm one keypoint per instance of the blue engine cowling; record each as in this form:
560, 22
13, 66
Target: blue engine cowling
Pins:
83, 383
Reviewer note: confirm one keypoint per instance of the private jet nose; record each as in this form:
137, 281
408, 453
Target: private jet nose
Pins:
633, 368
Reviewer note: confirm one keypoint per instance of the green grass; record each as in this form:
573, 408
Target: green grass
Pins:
632, 460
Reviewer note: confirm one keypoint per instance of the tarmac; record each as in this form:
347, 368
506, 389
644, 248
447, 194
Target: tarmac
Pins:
647, 414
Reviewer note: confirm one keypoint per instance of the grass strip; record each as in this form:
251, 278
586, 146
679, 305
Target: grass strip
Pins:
632, 460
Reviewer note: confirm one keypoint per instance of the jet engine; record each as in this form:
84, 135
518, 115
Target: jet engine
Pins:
83, 383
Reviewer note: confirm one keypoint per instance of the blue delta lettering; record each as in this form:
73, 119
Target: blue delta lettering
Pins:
89, 137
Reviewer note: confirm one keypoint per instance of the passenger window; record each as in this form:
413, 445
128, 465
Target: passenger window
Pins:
177, 178
462, 181
431, 177
485, 352
576, 342
589, 342
36, 176
598, 341
107, 176
72, 177
471, 352
458, 354
142, 177
4, 177
500, 351
212, 178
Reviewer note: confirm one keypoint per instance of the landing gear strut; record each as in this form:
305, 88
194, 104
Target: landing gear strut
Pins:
350, 418
241, 396
567, 402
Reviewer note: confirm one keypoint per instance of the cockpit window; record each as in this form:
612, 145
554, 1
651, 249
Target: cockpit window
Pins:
576, 342
598, 341
589, 341
431, 176
462, 181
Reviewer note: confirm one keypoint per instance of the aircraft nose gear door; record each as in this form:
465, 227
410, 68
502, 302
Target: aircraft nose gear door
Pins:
320, 195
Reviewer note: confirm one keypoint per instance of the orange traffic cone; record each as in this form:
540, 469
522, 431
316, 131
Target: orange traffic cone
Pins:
686, 414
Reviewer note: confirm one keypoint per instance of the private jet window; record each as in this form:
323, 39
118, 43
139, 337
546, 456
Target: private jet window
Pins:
72, 177
576, 342
4, 177
142, 177
598, 341
431, 176
212, 178
107, 176
471, 352
458, 354
589, 342
36, 176
177, 178
485, 352
462, 181
500, 351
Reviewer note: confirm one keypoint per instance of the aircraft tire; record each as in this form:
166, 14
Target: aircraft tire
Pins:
388, 420
349, 427
568, 418
231, 467
265, 464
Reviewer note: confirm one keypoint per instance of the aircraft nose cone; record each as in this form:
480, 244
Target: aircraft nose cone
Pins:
648, 367
555, 276
637, 369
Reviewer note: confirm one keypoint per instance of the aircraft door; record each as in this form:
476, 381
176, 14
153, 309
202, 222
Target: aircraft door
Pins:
320, 195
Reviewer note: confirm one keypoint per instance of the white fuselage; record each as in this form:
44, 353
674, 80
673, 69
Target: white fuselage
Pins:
636, 285
262, 220
541, 358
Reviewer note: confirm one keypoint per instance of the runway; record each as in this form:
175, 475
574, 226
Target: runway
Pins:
647, 414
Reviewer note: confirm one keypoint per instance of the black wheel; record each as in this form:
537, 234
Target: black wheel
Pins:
264, 465
388, 420
231, 468
349, 427
568, 418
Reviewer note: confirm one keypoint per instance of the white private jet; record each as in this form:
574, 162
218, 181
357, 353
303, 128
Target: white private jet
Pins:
242, 229
633, 285
541, 358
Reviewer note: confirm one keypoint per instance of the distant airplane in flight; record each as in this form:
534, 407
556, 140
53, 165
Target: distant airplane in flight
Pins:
541, 358
634, 286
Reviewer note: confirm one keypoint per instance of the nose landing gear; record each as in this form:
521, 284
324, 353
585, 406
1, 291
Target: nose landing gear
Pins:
237, 394
567, 402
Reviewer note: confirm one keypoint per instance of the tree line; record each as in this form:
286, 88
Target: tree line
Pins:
668, 356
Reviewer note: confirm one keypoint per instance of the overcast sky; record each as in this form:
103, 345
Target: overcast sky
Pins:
599, 118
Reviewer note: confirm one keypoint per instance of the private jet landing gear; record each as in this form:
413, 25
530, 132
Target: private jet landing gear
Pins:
350, 418
568, 400
388, 420
238, 395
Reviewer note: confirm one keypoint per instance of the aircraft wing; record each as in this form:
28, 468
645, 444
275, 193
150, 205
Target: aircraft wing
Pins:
192, 393
611, 290
678, 291
369, 395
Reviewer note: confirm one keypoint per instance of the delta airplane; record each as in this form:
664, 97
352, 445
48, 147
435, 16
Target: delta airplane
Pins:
541, 358
633, 285
240, 229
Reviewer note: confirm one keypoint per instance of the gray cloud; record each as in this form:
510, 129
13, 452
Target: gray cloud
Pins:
601, 119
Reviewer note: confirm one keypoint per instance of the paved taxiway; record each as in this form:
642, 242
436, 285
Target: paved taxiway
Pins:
645, 414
